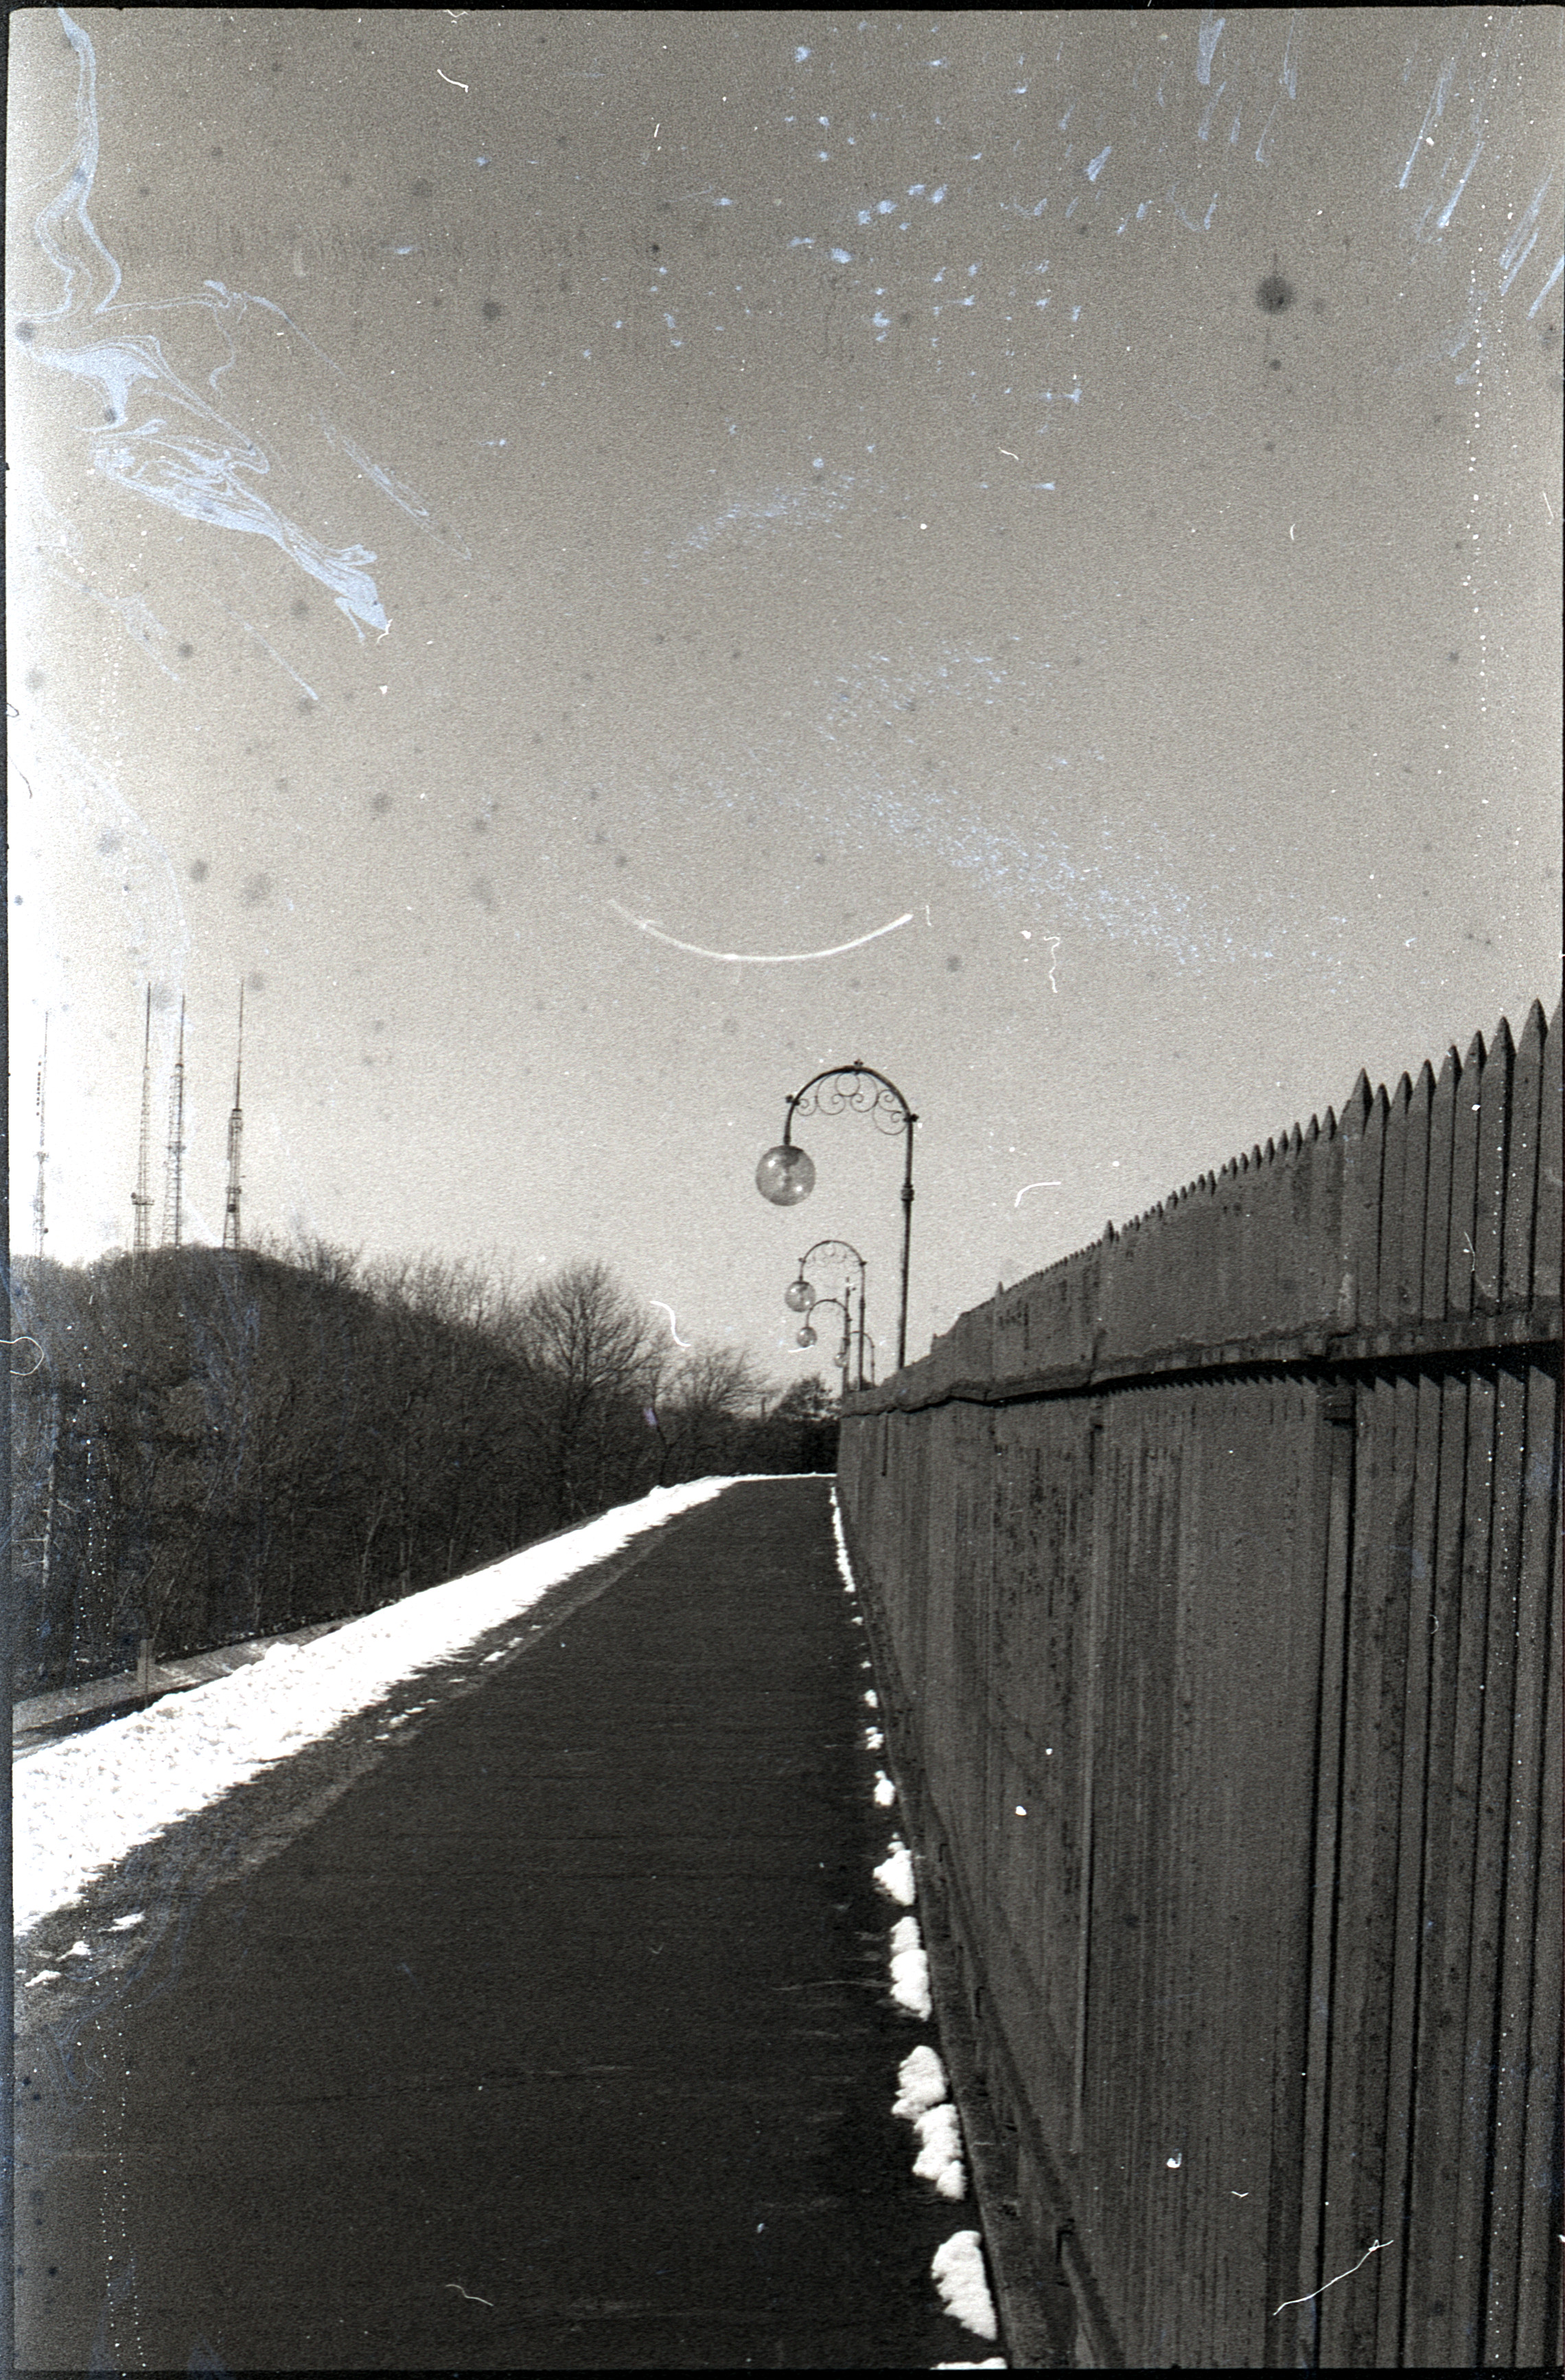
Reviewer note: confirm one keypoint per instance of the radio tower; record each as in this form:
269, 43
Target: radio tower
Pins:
173, 1196
141, 1197
39, 1227
235, 1139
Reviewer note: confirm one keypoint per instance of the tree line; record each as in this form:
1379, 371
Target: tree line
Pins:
211, 1445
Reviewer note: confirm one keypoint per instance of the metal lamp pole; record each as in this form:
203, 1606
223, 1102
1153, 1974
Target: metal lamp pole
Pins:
786, 1174
800, 1296
807, 1334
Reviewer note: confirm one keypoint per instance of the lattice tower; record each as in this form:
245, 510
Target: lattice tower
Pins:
141, 1197
236, 1141
173, 1176
39, 1227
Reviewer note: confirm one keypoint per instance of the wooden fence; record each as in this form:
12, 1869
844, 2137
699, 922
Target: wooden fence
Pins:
1214, 1577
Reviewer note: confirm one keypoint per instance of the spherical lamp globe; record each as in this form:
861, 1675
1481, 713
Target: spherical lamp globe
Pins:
786, 1175
806, 1337
800, 1297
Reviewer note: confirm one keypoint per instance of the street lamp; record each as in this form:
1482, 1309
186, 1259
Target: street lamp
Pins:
806, 1334
786, 1174
799, 1296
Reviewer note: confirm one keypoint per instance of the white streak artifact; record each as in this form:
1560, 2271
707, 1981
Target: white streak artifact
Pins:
758, 958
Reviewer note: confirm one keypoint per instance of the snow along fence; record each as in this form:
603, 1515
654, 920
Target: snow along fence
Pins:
1214, 1581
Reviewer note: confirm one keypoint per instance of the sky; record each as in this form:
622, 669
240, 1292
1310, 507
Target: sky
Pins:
600, 565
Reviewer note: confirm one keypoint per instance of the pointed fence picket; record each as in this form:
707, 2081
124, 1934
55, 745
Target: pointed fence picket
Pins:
1214, 1577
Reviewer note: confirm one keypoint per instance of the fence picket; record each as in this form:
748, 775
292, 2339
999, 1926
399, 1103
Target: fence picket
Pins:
1393, 1171
1416, 1199
1326, 1223
1546, 1231
1461, 1256
1361, 1192
1401, 2094
1489, 1171
1530, 1855
1522, 1171
1540, 2311
1437, 1211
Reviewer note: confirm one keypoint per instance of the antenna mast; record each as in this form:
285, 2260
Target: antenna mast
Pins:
39, 1227
141, 1197
173, 1201
235, 1139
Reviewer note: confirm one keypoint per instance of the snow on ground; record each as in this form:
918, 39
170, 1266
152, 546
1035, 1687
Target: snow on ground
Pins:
79, 1806
894, 1874
910, 1968
924, 2101
923, 2082
958, 2269
844, 1564
939, 2152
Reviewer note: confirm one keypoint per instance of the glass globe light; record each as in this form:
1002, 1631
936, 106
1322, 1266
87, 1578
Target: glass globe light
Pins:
786, 1175
800, 1297
806, 1337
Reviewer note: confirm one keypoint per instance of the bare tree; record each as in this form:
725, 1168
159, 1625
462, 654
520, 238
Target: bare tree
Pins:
592, 1372
702, 1400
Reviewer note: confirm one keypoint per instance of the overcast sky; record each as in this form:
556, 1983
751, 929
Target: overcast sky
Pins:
507, 508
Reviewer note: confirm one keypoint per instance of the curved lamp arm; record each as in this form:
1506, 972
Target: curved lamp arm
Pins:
786, 1174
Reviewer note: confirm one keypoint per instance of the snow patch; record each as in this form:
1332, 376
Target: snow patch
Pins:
959, 2274
910, 1968
923, 2082
925, 2103
894, 1874
939, 2152
844, 1564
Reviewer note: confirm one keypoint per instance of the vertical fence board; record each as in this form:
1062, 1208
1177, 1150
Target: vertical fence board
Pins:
1540, 2330
1525, 1850
1394, 1172
1527, 1094
1092, 1696
1425, 2314
1491, 1642
1361, 1134
1425, 1428
1366, 1874
1304, 1587
1447, 2313
1338, 1459
1437, 1208
1487, 2171
1546, 1230
1461, 1259
1416, 1199
1489, 1185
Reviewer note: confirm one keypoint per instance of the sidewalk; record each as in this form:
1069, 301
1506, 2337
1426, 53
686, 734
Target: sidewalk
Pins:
551, 2032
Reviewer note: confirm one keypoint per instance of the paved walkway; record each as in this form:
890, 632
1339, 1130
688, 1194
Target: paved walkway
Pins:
549, 2032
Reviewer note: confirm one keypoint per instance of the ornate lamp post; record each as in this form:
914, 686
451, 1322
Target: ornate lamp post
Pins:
800, 1296
786, 1174
807, 1334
